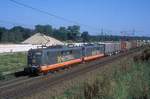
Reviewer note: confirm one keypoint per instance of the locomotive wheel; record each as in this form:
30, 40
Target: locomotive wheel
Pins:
45, 73
27, 71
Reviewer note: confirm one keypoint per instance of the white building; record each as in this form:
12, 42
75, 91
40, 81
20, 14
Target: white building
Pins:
16, 47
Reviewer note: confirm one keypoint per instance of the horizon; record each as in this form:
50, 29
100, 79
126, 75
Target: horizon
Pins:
80, 32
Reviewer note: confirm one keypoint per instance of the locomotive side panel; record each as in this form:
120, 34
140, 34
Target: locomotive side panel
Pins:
61, 58
93, 52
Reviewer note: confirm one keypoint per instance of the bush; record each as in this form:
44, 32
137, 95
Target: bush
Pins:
1, 76
143, 57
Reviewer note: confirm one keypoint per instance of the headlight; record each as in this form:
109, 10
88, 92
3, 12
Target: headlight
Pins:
33, 61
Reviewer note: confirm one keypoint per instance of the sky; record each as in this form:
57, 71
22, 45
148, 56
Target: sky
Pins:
113, 16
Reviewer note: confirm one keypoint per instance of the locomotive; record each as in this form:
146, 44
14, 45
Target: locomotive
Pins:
43, 60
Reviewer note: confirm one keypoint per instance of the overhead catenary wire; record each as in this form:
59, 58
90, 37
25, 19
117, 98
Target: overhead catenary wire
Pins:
53, 15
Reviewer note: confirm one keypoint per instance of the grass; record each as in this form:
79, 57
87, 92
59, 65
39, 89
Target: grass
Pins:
12, 61
128, 80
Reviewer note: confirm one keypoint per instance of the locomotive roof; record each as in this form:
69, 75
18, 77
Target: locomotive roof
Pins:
62, 47
54, 47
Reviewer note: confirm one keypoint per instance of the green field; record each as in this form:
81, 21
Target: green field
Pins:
12, 61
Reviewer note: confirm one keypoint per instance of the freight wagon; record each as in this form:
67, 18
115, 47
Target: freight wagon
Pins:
117, 47
139, 43
110, 48
123, 46
128, 45
133, 44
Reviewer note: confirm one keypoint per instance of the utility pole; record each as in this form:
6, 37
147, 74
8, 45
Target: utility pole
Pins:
133, 32
102, 34
123, 33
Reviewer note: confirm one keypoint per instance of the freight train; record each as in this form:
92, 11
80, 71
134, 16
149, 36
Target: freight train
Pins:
44, 60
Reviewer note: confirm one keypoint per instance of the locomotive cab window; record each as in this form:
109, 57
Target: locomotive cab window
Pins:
38, 53
66, 52
49, 55
97, 48
35, 58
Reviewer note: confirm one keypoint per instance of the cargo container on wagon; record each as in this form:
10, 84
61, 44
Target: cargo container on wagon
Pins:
128, 45
117, 46
109, 48
141, 43
133, 44
138, 43
123, 46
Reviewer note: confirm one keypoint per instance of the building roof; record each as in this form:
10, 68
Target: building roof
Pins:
41, 39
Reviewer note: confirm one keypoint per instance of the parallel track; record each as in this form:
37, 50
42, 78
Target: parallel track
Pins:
29, 86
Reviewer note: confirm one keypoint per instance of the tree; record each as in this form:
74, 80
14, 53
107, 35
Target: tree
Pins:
2, 30
85, 36
60, 33
45, 29
73, 32
5, 37
18, 34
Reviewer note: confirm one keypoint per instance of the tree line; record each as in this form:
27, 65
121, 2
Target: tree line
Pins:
18, 34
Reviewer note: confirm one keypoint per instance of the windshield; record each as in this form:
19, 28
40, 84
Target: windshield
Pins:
34, 58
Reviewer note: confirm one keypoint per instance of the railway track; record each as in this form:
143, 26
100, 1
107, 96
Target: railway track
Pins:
4, 83
26, 87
